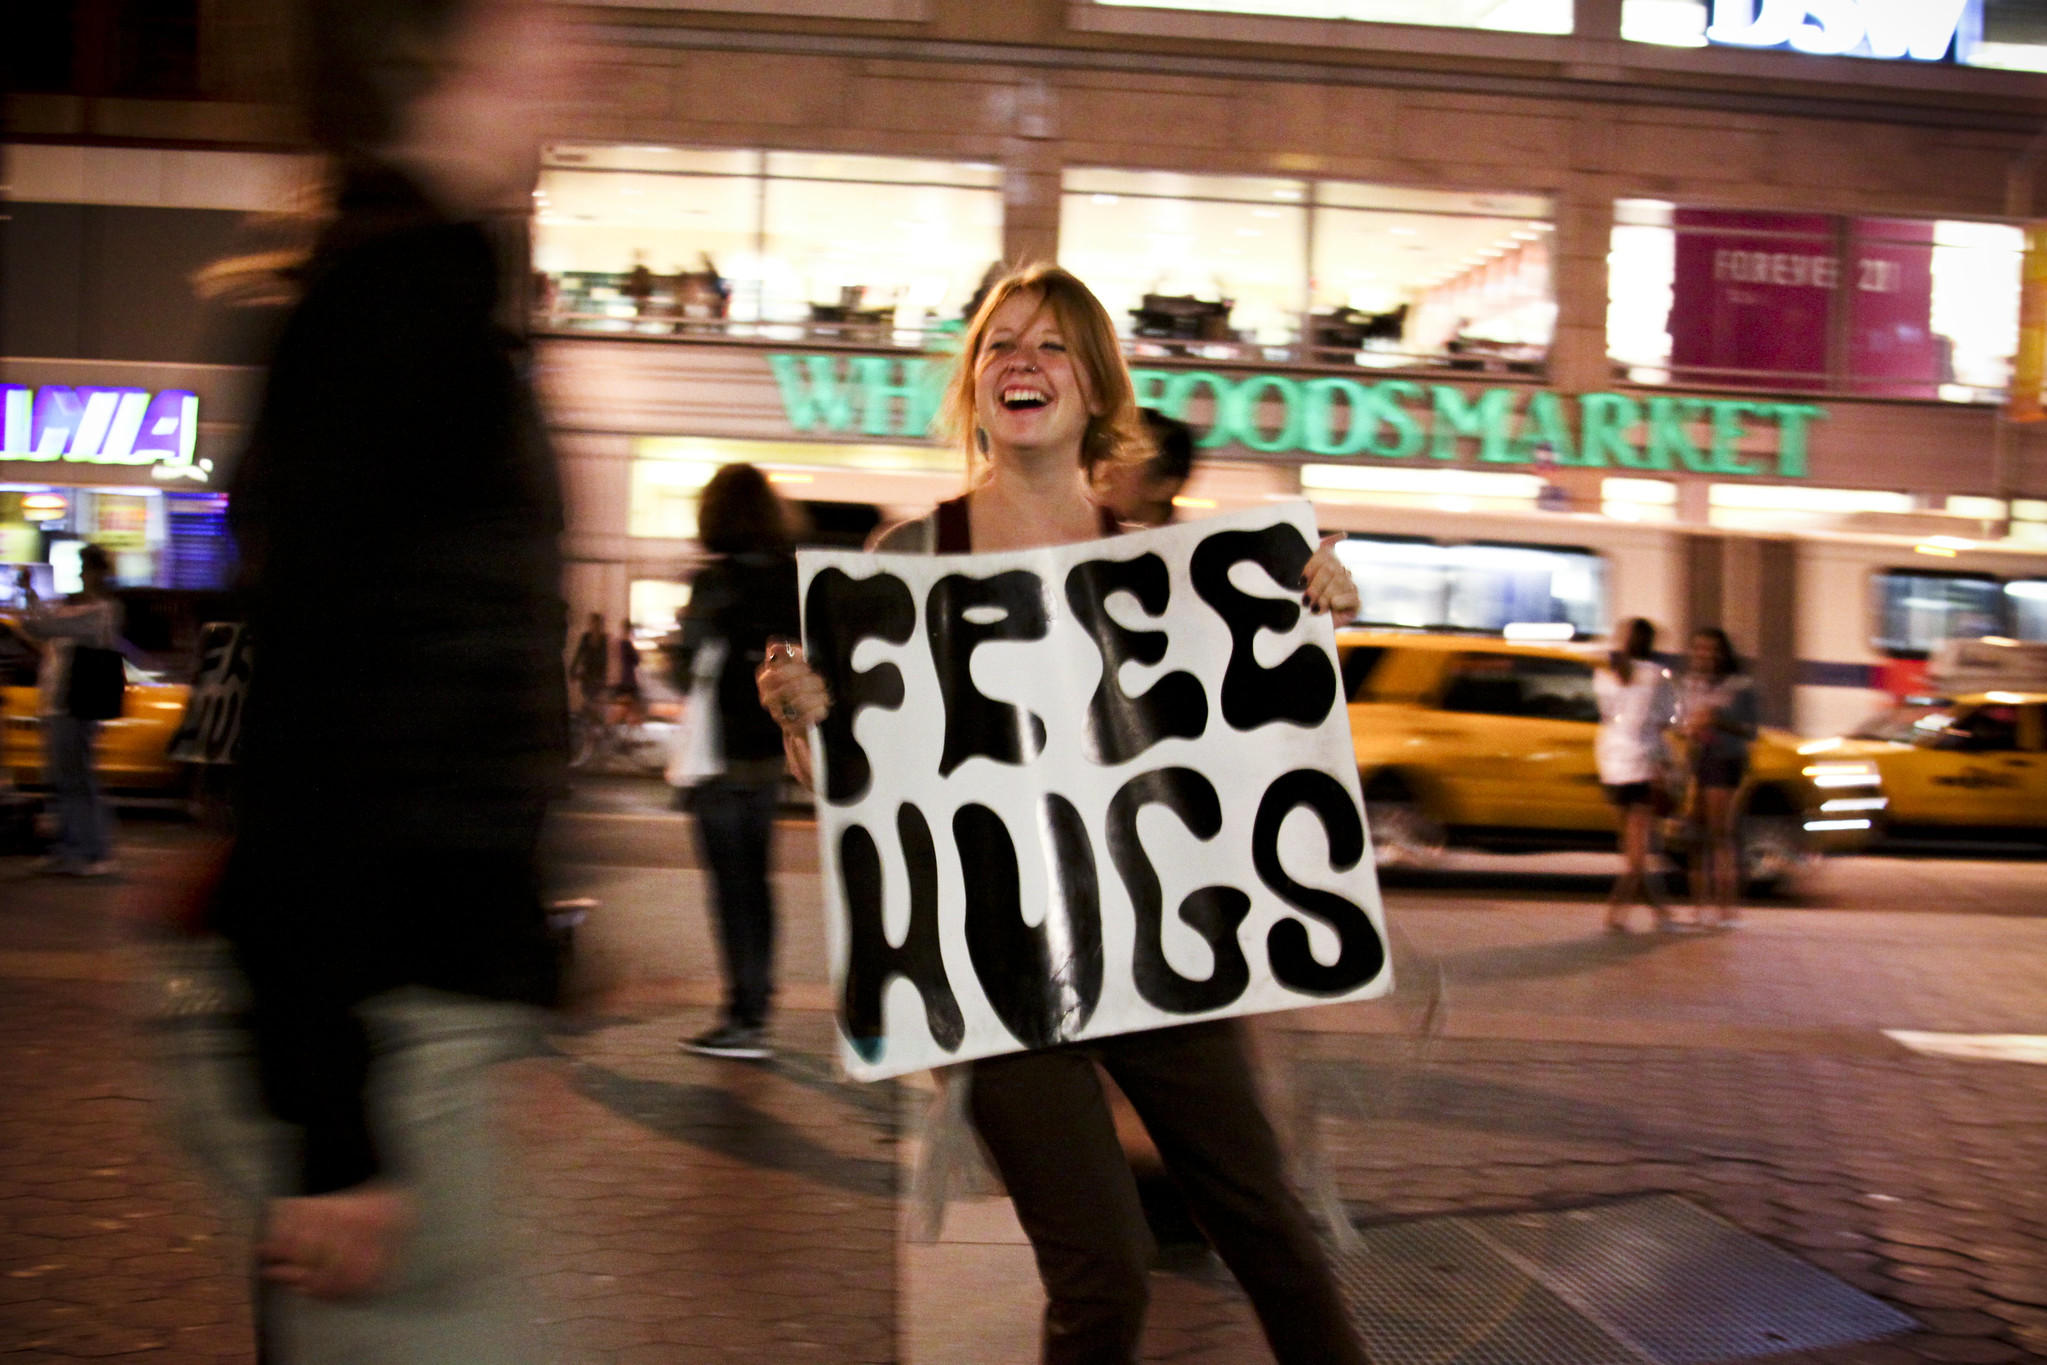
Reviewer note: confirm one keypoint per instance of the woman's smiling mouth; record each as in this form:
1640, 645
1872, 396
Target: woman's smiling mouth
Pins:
1024, 398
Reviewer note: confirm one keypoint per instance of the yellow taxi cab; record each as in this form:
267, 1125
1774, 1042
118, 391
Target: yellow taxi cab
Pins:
1487, 743
131, 748
1969, 759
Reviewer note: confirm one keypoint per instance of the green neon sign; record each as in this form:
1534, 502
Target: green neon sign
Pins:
1337, 416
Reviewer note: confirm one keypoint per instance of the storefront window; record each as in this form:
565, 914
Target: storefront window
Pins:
158, 538
1916, 611
1231, 267
2007, 34
1513, 16
1424, 585
1873, 307
777, 245
2026, 601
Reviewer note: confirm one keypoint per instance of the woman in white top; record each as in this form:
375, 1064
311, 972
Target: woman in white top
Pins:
1635, 703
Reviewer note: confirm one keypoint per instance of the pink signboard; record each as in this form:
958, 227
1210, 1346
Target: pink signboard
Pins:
1758, 298
1754, 298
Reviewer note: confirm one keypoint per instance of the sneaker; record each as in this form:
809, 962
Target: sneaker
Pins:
732, 1040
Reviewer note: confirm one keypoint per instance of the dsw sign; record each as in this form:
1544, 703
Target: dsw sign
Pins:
103, 426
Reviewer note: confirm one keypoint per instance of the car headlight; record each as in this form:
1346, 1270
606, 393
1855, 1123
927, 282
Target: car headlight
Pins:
1844, 775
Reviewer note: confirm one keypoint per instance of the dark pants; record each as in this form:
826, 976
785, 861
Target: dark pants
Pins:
81, 810
1047, 1124
735, 830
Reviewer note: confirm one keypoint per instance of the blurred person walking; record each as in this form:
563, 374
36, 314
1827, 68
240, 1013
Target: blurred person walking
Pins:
739, 602
382, 893
83, 682
1043, 390
590, 665
1635, 709
1717, 714
1141, 492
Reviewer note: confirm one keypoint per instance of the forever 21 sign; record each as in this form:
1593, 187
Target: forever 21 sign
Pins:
1085, 790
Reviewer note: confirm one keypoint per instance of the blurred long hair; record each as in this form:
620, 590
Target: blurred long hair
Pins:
740, 512
1725, 660
1117, 432
1637, 641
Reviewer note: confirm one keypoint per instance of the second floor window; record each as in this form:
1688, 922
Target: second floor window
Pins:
775, 245
1871, 307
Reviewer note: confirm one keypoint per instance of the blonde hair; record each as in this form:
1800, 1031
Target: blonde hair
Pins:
1117, 431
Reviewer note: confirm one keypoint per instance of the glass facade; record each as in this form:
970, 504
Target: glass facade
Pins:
1868, 307
1430, 586
776, 245
159, 538
1233, 267
1916, 611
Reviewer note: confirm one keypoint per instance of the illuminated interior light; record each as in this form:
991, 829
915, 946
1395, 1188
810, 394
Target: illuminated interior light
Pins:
1817, 825
1937, 551
782, 476
1951, 542
1201, 504
2007, 698
1856, 803
1662, 492
1539, 630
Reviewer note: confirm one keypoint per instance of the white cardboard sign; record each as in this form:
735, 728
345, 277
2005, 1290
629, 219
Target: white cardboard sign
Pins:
1084, 790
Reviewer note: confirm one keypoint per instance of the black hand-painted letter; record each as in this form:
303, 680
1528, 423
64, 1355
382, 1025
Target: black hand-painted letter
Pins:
1120, 726
1360, 954
1214, 912
871, 960
1303, 687
975, 724
1043, 982
838, 613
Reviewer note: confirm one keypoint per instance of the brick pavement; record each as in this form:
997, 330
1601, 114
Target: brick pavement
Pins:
678, 1209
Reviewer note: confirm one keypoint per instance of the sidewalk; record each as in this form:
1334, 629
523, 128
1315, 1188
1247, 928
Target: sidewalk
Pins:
679, 1209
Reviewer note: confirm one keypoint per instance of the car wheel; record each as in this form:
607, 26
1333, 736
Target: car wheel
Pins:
1772, 848
1403, 835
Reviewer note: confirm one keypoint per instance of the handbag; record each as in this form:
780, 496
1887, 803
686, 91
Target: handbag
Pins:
95, 685
699, 751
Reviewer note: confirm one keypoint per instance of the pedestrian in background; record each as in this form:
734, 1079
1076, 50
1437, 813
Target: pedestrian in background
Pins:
1141, 492
1635, 708
1718, 716
627, 689
590, 665
741, 600
83, 681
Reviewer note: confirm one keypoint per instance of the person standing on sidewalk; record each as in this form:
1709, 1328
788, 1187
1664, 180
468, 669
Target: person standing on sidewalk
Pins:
1141, 492
1635, 705
590, 665
86, 633
739, 602
1043, 391
1717, 713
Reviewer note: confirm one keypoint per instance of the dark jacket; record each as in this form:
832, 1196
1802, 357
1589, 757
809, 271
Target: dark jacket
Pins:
397, 512
742, 599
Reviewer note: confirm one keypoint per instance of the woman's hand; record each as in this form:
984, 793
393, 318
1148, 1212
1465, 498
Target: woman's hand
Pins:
792, 692
1326, 586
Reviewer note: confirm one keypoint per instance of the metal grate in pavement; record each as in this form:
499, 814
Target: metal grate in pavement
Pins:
1433, 1293
1654, 1279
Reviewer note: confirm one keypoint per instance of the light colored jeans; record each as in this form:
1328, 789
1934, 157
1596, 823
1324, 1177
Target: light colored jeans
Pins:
455, 1299
81, 810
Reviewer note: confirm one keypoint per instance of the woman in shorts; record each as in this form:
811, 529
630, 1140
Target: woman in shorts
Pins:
1635, 705
1717, 712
